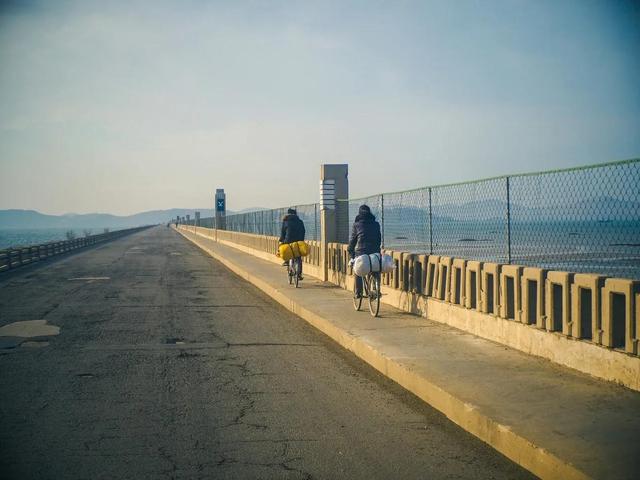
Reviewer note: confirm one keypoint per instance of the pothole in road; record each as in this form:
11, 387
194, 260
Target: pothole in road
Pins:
15, 334
29, 328
175, 341
85, 375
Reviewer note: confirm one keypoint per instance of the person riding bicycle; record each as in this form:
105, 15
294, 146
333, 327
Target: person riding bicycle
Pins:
365, 239
292, 231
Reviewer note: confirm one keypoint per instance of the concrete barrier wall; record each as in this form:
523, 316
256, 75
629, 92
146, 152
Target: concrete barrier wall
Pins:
580, 321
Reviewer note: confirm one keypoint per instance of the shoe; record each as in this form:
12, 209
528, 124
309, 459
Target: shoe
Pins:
300, 277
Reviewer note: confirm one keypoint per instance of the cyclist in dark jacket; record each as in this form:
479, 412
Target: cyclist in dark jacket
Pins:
292, 230
365, 238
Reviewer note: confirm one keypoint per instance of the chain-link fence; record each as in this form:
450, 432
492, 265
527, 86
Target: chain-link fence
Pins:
583, 219
269, 222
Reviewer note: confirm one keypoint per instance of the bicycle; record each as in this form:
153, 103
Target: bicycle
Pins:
294, 269
370, 290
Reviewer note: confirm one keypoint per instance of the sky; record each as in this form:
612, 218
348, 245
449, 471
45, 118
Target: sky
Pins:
123, 107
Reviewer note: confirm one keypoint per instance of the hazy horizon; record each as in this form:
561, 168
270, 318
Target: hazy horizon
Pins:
194, 209
129, 107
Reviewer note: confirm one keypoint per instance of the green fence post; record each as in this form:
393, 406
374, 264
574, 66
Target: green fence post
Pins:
508, 223
430, 225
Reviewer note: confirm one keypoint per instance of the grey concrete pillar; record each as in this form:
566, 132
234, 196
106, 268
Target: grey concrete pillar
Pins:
197, 214
188, 219
334, 208
221, 209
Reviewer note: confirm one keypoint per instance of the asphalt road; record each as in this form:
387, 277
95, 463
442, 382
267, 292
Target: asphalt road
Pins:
167, 365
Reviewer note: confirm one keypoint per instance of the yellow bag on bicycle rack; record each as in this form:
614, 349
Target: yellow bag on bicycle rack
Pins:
293, 250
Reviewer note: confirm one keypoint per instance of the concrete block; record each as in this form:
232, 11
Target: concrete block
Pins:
344, 257
420, 273
406, 272
620, 328
337, 254
510, 305
444, 279
395, 275
558, 302
586, 314
458, 271
473, 285
341, 258
532, 285
490, 288
431, 276
331, 256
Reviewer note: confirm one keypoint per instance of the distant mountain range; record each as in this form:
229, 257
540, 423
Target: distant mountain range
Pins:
33, 219
599, 209
591, 209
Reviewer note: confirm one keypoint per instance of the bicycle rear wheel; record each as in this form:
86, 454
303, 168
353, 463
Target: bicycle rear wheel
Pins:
296, 270
374, 294
357, 301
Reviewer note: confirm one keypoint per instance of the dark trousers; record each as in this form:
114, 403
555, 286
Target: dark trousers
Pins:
300, 262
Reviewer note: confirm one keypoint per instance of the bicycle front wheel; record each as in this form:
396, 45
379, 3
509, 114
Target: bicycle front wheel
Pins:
296, 270
374, 294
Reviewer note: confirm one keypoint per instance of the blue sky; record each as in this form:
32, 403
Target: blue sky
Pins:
132, 106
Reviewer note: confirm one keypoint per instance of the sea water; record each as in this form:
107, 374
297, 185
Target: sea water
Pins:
608, 248
14, 237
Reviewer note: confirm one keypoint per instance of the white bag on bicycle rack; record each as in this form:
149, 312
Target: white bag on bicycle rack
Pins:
366, 263
387, 264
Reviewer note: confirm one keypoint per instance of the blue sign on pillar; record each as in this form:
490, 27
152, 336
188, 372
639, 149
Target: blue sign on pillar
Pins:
220, 205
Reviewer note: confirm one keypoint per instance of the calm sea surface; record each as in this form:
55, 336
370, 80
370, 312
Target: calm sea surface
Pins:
13, 237
611, 249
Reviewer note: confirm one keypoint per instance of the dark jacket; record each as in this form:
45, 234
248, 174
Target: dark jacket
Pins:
292, 229
365, 236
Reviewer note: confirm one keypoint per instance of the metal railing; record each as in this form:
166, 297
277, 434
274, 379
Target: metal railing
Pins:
14, 257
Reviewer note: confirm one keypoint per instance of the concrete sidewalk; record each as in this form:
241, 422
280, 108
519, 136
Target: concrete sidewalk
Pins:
553, 421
